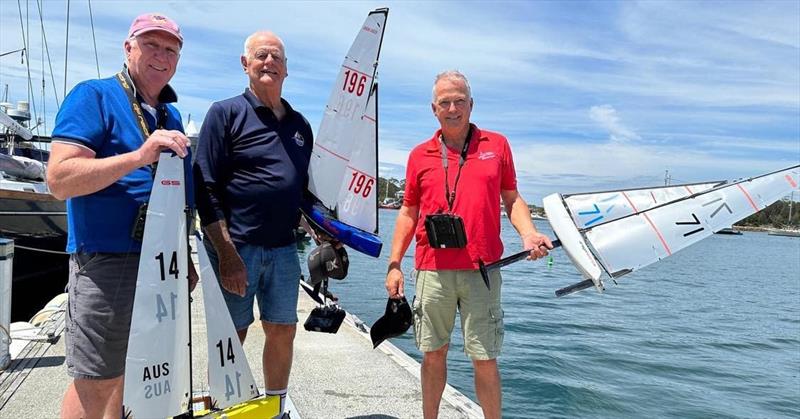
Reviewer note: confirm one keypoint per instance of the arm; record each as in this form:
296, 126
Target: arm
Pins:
209, 168
232, 272
73, 170
403, 233
520, 216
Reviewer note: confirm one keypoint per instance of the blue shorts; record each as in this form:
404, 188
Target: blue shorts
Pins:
273, 278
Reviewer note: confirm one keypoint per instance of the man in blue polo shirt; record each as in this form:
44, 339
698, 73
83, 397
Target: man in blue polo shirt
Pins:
101, 163
251, 172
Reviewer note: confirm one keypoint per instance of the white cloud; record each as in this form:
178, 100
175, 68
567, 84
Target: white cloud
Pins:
704, 90
607, 117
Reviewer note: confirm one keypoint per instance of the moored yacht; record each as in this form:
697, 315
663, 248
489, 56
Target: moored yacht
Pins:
29, 214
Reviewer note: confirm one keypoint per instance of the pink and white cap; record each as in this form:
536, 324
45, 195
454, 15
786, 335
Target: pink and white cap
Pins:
155, 22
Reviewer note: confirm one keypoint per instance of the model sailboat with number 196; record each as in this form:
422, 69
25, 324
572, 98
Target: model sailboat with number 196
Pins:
343, 170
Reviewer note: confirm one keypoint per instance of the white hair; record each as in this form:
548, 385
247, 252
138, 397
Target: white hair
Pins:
452, 75
254, 35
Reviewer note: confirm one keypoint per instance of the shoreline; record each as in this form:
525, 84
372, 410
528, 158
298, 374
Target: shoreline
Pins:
759, 229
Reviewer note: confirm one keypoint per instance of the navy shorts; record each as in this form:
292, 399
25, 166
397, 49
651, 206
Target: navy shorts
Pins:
273, 278
101, 290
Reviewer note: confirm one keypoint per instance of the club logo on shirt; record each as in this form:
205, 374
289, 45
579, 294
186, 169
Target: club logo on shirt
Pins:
298, 139
486, 155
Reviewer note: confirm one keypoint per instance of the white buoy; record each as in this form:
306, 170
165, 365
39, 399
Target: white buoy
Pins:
6, 263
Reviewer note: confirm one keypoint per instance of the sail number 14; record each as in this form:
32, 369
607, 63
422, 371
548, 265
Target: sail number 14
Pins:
162, 308
230, 388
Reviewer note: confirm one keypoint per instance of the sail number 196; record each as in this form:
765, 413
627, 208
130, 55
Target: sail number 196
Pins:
354, 83
360, 184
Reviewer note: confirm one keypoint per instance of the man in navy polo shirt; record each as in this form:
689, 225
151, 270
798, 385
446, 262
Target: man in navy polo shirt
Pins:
251, 172
101, 163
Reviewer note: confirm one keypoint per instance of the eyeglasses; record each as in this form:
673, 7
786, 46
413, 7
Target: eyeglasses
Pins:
459, 103
262, 55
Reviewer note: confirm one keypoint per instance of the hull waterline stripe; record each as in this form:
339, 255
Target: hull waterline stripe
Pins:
658, 233
747, 195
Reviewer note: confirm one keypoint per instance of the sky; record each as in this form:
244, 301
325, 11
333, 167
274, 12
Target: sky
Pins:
591, 95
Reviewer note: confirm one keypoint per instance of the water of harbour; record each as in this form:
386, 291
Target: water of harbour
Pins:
713, 331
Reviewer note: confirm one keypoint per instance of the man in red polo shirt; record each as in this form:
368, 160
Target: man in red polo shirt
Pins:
478, 169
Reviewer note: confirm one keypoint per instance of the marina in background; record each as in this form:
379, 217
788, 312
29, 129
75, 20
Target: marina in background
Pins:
29, 214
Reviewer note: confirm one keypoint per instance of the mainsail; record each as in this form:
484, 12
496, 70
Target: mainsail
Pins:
344, 164
157, 383
230, 380
588, 209
358, 195
641, 233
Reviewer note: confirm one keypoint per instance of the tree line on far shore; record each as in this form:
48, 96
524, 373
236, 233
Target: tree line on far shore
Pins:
775, 215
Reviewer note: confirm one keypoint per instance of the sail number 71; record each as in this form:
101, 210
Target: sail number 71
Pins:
360, 184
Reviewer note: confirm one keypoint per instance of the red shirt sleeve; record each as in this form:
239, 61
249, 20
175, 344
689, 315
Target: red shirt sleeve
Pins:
508, 179
412, 194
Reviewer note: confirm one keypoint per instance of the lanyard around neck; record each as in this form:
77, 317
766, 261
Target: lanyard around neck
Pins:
125, 81
451, 196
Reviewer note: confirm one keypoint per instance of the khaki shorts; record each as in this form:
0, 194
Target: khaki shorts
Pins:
439, 294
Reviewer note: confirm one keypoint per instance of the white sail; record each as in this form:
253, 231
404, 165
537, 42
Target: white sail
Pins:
230, 380
157, 364
343, 165
624, 243
357, 199
589, 209
633, 242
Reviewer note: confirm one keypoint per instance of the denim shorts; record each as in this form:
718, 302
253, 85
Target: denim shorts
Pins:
439, 294
273, 278
101, 290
